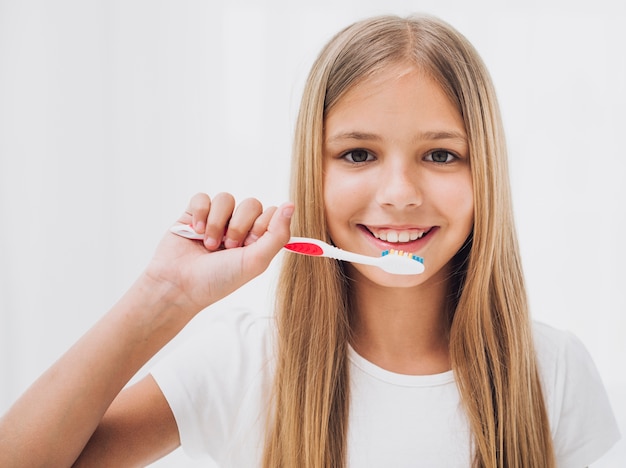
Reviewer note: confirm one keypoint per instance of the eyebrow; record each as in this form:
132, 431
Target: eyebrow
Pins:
353, 136
443, 135
429, 135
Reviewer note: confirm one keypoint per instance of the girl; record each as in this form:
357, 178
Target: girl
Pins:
398, 144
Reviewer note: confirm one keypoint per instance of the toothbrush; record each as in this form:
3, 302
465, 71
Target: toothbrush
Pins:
186, 231
391, 261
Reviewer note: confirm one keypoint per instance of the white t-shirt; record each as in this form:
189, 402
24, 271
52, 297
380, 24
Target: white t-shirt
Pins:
218, 385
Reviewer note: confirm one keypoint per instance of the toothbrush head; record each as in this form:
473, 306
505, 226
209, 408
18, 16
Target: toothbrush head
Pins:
401, 263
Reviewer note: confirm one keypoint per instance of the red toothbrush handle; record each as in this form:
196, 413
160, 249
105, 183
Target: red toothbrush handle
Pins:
305, 248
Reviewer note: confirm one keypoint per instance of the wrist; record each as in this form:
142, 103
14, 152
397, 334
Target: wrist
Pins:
161, 307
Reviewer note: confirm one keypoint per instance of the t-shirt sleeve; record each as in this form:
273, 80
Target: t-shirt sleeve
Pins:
210, 379
582, 420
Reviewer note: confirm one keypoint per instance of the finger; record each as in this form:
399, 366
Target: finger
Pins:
260, 225
274, 238
198, 209
221, 211
242, 221
279, 229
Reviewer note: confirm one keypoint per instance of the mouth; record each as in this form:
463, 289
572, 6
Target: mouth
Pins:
409, 238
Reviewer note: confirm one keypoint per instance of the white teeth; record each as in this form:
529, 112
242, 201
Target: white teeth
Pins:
404, 236
398, 236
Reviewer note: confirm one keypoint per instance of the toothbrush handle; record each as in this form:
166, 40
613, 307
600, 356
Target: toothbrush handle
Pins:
186, 231
340, 254
331, 251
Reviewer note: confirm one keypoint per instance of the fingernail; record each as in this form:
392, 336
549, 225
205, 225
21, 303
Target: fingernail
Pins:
250, 238
287, 211
210, 243
230, 244
199, 227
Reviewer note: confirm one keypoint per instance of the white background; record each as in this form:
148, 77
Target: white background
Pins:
114, 112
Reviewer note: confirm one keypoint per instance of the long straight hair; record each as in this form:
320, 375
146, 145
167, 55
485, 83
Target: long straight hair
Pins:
491, 345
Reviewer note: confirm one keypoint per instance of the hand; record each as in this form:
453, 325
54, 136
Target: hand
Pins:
239, 244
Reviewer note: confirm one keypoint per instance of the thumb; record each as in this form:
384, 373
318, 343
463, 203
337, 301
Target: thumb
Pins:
275, 237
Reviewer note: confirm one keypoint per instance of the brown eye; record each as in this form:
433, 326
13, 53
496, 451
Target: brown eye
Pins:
440, 156
358, 156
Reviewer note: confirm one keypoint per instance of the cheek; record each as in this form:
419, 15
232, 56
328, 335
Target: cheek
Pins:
333, 205
341, 193
338, 185
455, 197
464, 200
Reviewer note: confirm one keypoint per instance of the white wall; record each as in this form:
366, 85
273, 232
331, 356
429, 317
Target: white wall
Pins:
114, 112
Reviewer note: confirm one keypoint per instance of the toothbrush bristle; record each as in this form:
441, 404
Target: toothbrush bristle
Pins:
402, 253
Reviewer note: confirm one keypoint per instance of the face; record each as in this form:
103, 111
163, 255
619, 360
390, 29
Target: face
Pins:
397, 174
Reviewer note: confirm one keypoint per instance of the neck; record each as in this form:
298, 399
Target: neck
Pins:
403, 330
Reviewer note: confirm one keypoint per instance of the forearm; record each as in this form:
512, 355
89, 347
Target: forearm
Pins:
55, 418
51, 423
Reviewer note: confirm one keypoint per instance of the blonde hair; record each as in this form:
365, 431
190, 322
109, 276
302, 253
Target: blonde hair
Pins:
491, 345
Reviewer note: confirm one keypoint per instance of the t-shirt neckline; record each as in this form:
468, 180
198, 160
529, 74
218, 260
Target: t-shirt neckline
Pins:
394, 378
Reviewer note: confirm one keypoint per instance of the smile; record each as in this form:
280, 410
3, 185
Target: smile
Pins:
397, 236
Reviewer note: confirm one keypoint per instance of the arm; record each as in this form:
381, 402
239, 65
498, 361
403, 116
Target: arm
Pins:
57, 416
137, 429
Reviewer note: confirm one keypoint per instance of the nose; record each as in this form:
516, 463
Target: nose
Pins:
399, 186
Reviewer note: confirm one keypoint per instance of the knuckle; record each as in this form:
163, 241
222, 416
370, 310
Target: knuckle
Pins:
262, 222
236, 232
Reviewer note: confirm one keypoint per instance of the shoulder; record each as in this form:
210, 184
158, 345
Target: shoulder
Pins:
563, 359
556, 350
581, 419
227, 343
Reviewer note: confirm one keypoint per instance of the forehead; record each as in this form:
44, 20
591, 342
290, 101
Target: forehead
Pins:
395, 98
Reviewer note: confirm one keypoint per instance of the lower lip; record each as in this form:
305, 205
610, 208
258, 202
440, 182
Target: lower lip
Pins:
411, 246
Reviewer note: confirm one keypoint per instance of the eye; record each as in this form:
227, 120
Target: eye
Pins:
440, 156
358, 156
